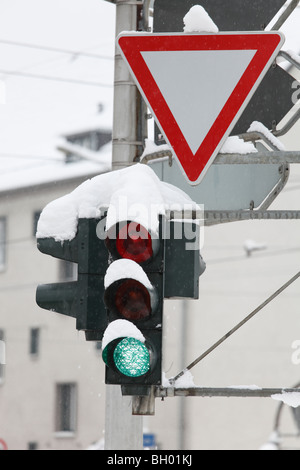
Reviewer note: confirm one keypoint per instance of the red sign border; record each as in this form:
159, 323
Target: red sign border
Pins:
267, 45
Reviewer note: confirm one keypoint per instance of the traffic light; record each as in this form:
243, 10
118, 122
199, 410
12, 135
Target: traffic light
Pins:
124, 275
81, 299
145, 270
183, 261
134, 293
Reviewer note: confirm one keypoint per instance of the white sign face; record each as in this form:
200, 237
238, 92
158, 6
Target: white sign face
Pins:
198, 85
188, 91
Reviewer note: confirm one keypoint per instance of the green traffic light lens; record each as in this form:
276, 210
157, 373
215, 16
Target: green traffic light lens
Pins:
132, 358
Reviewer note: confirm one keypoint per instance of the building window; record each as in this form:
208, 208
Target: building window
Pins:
32, 446
2, 243
34, 345
66, 408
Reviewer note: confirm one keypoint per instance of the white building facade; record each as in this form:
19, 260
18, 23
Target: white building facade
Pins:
44, 399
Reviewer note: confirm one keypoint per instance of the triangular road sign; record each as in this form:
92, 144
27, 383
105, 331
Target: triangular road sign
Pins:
198, 85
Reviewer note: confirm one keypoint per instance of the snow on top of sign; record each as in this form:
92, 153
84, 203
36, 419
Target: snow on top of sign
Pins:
121, 329
259, 127
151, 147
245, 387
198, 20
235, 145
126, 269
133, 193
289, 398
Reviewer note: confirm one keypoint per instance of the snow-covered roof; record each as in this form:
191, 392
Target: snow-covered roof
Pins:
47, 171
91, 122
39, 111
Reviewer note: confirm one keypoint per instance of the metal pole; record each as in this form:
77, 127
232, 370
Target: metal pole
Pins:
122, 430
228, 392
182, 403
125, 94
284, 16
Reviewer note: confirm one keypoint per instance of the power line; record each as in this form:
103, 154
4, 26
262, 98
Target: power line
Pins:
236, 328
30, 157
56, 49
55, 79
264, 254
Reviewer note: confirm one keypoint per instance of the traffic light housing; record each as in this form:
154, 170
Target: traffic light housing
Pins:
124, 275
134, 293
145, 269
81, 299
183, 261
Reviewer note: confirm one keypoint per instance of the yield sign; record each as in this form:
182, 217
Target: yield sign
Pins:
197, 86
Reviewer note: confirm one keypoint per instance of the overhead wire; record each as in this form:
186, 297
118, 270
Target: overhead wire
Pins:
72, 53
236, 328
56, 79
56, 49
31, 239
30, 157
261, 254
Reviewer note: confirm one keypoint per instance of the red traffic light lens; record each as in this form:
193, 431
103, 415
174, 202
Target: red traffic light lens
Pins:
133, 301
134, 242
